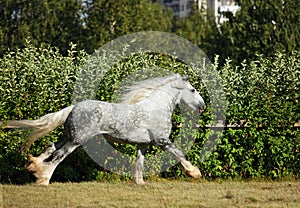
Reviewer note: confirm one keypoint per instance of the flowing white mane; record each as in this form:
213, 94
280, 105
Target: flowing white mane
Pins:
142, 90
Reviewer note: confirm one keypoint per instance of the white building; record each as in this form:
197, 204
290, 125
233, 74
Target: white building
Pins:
225, 6
182, 8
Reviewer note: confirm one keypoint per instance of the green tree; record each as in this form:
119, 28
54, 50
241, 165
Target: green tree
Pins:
200, 29
43, 21
263, 27
109, 19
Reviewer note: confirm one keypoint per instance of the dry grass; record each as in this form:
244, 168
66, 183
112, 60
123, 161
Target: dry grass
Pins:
164, 193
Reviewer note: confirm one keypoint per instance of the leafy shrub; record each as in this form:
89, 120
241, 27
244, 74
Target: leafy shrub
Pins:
265, 93
33, 82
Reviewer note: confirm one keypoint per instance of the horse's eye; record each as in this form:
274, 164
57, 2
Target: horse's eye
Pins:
193, 90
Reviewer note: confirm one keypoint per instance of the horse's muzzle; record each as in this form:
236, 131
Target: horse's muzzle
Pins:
202, 108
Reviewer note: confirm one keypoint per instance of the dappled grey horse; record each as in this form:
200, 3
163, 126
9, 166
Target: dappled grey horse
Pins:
142, 117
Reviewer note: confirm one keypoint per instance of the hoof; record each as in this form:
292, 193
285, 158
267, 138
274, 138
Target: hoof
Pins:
42, 181
35, 165
139, 181
191, 170
194, 172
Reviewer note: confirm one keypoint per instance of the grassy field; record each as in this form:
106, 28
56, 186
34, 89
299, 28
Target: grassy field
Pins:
163, 193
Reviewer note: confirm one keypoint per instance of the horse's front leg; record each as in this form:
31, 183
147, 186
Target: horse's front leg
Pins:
190, 170
139, 165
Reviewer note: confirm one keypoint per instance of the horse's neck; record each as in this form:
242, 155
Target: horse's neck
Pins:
163, 101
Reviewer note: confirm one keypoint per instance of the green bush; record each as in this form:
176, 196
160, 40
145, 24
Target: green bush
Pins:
266, 94
36, 81
33, 82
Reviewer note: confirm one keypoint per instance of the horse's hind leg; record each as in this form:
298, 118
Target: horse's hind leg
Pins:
43, 170
33, 163
190, 170
139, 165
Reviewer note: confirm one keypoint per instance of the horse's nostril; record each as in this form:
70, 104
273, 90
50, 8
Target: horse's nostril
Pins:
202, 108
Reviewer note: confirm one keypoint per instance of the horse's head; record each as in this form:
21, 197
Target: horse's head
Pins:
189, 95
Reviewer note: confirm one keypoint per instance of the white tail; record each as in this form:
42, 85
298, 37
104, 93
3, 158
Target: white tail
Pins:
40, 126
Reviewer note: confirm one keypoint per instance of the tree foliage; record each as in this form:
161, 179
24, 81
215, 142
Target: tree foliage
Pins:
261, 27
54, 22
89, 24
200, 30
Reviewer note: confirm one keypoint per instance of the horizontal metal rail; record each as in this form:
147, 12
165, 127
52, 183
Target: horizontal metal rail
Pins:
241, 124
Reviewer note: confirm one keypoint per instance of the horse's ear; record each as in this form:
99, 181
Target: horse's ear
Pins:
180, 83
185, 79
